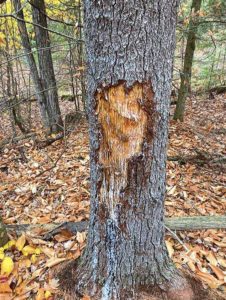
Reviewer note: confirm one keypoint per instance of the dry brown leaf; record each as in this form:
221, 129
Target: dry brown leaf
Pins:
220, 244
48, 251
193, 255
40, 295
86, 297
54, 261
209, 279
23, 296
63, 236
45, 219
5, 288
36, 273
191, 265
170, 249
5, 296
70, 245
21, 288
77, 254
36, 241
24, 263
221, 261
218, 272
172, 190
211, 258
53, 284
81, 236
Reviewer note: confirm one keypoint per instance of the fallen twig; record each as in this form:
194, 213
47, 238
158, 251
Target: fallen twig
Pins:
16, 139
176, 223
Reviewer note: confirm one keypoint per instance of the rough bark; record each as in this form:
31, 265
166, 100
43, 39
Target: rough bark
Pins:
46, 64
42, 102
130, 45
188, 60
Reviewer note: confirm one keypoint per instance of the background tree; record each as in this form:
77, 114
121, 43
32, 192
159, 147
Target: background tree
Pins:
60, 73
46, 64
39, 88
185, 74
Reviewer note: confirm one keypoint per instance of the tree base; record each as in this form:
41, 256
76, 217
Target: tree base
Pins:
190, 288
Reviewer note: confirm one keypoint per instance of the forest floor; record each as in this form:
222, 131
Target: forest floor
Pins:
51, 184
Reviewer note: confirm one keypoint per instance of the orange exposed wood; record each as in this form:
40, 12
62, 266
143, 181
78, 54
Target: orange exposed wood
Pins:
123, 120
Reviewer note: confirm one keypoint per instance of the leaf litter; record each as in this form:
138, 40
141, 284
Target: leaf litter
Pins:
196, 186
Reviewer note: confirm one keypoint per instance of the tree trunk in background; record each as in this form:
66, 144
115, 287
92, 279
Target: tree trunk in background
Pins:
46, 64
188, 60
42, 102
130, 47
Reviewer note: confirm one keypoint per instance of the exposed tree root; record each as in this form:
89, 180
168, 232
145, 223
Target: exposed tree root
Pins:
190, 288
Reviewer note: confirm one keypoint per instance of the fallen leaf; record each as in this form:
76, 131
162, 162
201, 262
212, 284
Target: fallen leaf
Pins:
191, 265
9, 244
27, 250
86, 297
7, 265
221, 261
211, 258
220, 244
40, 295
170, 249
5, 288
5, 296
24, 263
36, 273
48, 251
81, 236
209, 279
219, 273
172, 190
47, 294
63, 236
53, 284
54, 261
21, 242
33, 258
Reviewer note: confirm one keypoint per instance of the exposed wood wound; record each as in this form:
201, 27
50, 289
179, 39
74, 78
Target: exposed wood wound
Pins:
123, 117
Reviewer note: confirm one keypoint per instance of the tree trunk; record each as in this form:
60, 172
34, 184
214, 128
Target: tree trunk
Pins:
32, 64
130, 47
188, 60
46, 64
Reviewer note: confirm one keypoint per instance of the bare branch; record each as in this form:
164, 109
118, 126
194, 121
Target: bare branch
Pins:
39, 49
37, 25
